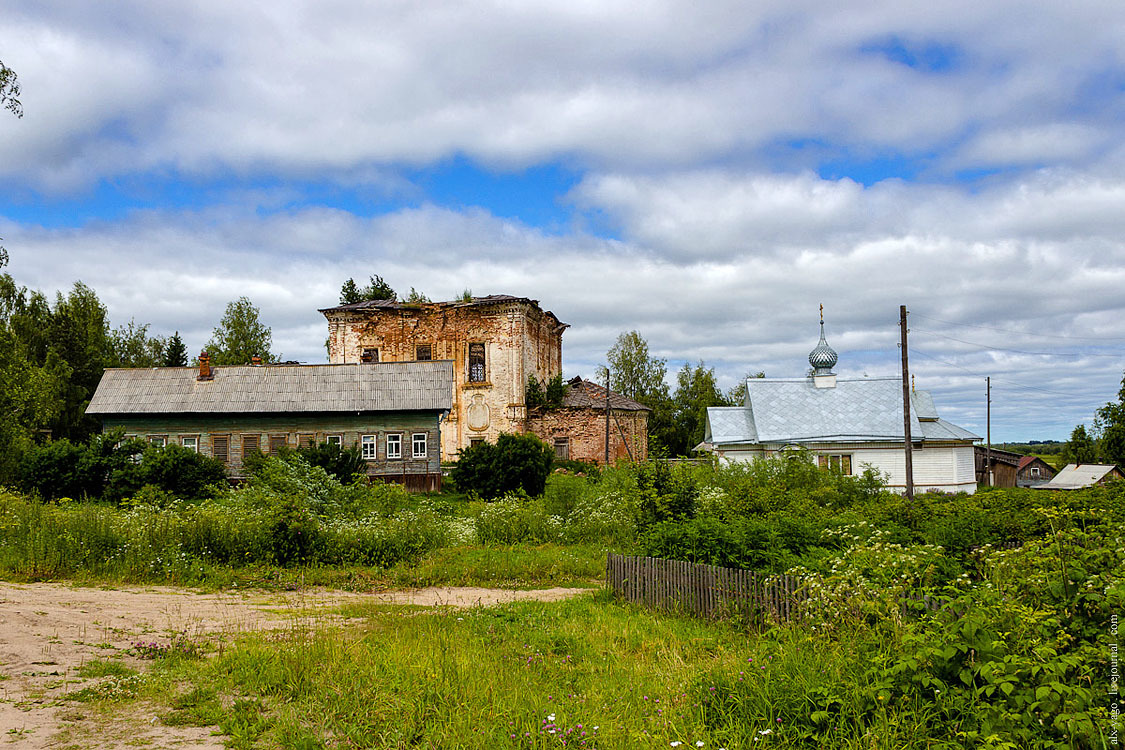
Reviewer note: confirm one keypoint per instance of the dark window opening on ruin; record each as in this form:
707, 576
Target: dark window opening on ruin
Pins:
476, 363
562, 448
370, 355
423, 352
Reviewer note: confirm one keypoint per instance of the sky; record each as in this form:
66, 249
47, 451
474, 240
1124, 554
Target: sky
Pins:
706, 174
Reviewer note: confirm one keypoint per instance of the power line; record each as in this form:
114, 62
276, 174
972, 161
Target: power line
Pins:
977, 374
1016, 351
1020, 333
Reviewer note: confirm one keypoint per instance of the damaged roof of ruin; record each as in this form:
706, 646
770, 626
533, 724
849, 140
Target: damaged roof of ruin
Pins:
385, 386
390, 304
586, 394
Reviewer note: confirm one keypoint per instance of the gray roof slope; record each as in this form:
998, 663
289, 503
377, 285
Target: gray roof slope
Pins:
856, 410
1077, 476
385, 386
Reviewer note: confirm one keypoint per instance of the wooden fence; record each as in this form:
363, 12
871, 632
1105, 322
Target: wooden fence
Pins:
707, 590
710, 590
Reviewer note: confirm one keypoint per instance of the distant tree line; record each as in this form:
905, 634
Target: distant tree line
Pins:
53, 353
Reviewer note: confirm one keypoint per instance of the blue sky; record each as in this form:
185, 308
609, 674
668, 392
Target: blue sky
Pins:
706, 175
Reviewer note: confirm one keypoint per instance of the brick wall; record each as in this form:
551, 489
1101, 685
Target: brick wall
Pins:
585, 431
519, 340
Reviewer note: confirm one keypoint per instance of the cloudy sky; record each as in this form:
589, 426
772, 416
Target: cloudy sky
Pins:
704, 173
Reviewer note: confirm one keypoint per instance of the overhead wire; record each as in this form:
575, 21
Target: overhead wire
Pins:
1013, 384
1016, 351
1019, 333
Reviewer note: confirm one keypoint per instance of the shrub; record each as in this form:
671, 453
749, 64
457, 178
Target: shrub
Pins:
516, 519
181, 471
514, 463
340, 462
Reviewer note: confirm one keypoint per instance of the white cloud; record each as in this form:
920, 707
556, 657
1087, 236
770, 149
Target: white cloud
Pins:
983, 281
306, 88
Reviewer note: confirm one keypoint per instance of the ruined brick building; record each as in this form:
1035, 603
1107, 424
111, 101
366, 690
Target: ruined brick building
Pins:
577, 429
495, 344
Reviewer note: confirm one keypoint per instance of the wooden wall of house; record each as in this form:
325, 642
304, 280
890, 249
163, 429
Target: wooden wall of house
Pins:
293, 430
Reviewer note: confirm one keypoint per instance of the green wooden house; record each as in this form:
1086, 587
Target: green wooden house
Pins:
391, 410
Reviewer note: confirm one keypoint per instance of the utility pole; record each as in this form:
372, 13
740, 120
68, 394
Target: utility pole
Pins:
906, 406
607, 415
988, 429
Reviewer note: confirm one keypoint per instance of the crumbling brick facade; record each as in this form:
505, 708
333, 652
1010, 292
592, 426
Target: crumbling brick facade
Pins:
495, 343
577, 429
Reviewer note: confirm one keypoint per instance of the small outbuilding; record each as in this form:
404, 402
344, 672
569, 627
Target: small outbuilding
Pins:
996, 468
1080, 476
393, 411
1033, 471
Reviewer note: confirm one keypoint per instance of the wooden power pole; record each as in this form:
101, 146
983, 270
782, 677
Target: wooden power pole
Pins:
906, 406
607, 416
988, 429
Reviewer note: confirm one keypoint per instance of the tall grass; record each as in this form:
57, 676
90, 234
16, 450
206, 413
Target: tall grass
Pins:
583, 673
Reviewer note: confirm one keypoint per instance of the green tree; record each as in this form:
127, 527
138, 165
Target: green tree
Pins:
1110, 423
1081, 448
78, 331
416, 298
696, 390
175, 354
640, 376
377, 288
10, 91
240, 335
131, 346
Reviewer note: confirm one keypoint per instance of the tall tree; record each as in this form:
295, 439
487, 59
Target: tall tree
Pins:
10, 91
79, 333
175, 354
1110, 422
377, 288
240, 335
131, 346
696, 390
633, 372
1081, 448
640, 376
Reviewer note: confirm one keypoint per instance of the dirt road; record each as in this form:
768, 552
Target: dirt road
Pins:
48, 631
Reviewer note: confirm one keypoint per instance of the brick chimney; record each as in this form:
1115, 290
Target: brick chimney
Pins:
205, 372
256, 360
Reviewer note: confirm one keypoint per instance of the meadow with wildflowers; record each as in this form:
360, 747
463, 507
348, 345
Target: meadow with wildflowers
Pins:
1017, 656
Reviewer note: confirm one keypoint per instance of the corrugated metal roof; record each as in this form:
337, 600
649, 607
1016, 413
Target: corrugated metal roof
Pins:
855, 410
385, 386
1077, 476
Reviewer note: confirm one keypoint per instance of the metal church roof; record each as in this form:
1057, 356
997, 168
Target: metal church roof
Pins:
855, 410
367, 387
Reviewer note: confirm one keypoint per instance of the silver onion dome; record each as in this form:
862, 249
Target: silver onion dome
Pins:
823, 357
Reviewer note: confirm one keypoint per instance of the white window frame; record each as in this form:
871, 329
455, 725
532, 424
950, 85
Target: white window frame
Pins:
191, 442
394, 445
334, 439
370, 447
1035, 471
423, 439
158, 440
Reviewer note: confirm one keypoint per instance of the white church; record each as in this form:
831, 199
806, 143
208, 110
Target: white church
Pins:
848, 424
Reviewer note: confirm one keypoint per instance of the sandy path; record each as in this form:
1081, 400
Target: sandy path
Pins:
48, 631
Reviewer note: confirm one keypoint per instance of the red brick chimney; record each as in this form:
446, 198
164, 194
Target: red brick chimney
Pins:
256, 360
205, 372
